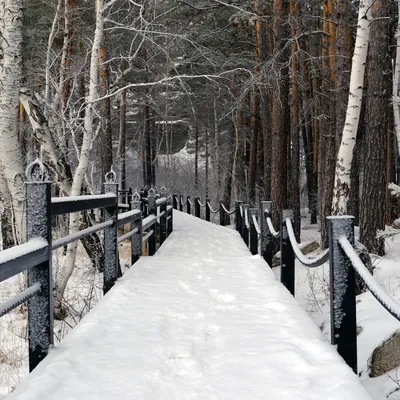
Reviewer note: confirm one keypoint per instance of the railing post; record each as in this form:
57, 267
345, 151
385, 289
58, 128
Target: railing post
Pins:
221, 213
267, 240
152, 241
342, 291
170, 222
245, 231
238, 217
175, 201
151, 202
163, 223
287, 254
253, 232
170, 213
188, 205
180, 203
197, 207
164, 219
143, 204
40, 306
129, 198
208, 212
152, 208
136, 239
111, 264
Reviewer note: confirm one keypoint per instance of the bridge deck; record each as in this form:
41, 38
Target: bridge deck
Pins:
203, 319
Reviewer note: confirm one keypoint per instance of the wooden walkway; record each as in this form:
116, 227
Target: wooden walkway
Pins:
202, 319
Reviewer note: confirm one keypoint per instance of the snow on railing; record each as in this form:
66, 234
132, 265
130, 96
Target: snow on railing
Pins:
274, 233
35, 255
19, 299
380, 294
214, 211
307, 261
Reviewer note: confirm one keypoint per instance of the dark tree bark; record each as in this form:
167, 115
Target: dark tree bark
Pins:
354, 198
327, 146
104, 141
122, 138
196, 158
346, 18
230, 152
294, 121
255, 132
280, 113
147, 181
373, 199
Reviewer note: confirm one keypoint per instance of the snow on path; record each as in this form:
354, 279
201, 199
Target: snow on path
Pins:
201, 320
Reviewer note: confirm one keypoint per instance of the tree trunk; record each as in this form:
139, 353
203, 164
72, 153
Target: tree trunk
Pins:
396, 86
255, 128
345, 154
280, 112
346, 18
147, 145
122, 138
104, 139
11, 157
196, 158
373, 199
327, 148
83, 162
294, 121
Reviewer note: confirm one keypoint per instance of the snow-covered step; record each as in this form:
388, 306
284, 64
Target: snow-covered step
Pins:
203, 319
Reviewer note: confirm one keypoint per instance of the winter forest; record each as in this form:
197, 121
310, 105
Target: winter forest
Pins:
293, 101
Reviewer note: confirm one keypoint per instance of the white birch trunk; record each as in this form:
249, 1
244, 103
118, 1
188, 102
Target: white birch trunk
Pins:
49, 59
396, 83
44, 136
83, 162
11, 156
341, 191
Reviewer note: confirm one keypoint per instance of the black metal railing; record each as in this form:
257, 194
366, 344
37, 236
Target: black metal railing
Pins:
256, 228
35, 256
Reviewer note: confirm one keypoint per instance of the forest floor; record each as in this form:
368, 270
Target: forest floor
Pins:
312, 292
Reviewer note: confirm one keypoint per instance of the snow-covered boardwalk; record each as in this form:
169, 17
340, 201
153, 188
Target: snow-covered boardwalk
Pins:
203, 319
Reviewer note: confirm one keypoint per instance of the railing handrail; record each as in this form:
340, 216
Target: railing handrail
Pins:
66, 205
380, 294
271, 228
22, 257
306, 261
211, 209
256, 225
35, 256
226, 210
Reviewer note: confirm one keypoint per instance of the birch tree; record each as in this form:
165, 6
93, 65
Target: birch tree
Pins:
83, 162
341, 189
396, 85
11, 157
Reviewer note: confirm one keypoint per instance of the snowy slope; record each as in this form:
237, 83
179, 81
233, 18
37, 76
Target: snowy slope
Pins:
200, 320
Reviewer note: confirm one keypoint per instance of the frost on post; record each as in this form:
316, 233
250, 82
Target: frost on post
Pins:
136, 201
40, 306
37, 171
111, 176
152, 201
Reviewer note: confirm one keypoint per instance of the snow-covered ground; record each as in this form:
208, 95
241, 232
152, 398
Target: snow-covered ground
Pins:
84, 290
312, 292
203, 319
